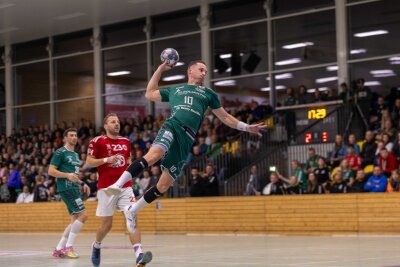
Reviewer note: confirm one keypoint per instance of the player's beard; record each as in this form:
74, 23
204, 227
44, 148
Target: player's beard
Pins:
113, 132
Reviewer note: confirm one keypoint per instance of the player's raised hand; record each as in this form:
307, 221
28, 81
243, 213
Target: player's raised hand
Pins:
164, 66
256, 128
113, 159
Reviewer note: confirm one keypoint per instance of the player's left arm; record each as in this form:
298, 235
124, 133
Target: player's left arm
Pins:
232, 122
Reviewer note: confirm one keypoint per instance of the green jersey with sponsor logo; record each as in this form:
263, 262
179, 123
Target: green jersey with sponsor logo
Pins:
189, 103
68, 162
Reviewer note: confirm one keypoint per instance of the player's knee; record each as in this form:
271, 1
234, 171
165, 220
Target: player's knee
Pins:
163, 186
82, 217
106, 226
154, 155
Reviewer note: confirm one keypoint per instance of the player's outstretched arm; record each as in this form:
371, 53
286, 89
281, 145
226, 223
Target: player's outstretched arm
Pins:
152, 91
232, 122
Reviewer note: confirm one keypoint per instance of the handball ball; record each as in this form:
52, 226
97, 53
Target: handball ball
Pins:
170, 55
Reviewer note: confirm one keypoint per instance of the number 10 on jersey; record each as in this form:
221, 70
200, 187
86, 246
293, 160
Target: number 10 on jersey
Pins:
188, 100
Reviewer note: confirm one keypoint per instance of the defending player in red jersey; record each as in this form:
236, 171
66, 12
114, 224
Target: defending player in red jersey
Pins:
110, 153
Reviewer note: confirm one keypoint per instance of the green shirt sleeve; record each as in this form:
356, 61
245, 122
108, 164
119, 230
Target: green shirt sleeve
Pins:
213, 101
56, 159
165, 94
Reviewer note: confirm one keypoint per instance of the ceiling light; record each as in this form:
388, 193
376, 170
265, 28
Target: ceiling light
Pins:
5, 5
179, 64
372, 83
173, 78
118, 73
229, 69
358, 51
370, 33
226, 83
326, 79
8, 29
70, 16
288, 61
223, 56
278, 87
215, 70
282, 76
375, 72
394, 58
297, 45
395, 62
322, 89
332, 68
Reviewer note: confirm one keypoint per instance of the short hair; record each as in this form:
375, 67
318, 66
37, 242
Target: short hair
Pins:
194, 62
70, 130
109, 115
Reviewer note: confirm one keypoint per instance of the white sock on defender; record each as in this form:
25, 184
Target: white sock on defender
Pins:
138, 249
64, 238
125, 177
75, 228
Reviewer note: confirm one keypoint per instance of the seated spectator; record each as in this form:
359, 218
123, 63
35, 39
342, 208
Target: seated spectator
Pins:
338, 152
53, 195
211, 187
202, 144
253, 187
312, 161
353, 143
299, 173
394, 182
322, 172
274, 187
368, 149
194, 155
5, 195
144, 181
155, 176
395, 115
356, 185
387, 162
25, 196
40, 192
345, 170
353, 159
214, 149
314, 187
377, 182
338, 185
92, 183
291, 185
197, 183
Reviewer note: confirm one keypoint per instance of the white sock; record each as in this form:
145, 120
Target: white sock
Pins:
97, 244
75, 228
64, 238
138, 249
125, 177
138, 205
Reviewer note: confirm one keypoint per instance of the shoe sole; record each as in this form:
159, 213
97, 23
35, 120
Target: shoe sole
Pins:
147, 257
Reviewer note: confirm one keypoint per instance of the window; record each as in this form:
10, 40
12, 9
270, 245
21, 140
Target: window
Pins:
126, 66
74, 111
32, 116
374, 29
32, 83
73, 42
240, 50
174, 23
2, 121
229, 12
125, 32
2, 88
132, 105
75, 76
280, 7
31, 50
305, 40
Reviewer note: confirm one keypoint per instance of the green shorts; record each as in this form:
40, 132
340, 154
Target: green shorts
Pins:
73, 200
177, 141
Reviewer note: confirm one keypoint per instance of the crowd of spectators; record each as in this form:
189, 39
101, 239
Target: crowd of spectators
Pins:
369, 165
25, 154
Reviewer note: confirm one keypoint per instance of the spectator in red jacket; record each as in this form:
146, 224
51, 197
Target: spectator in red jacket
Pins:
387, 161
353, 159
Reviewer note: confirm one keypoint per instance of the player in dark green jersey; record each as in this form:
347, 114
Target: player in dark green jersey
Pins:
174, 141
64, 165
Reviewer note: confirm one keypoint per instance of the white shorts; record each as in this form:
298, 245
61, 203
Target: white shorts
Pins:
106, 204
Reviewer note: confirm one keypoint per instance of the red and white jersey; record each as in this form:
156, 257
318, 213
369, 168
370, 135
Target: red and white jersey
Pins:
104, 146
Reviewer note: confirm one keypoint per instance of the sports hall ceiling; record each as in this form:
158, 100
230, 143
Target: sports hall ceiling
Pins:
24, 20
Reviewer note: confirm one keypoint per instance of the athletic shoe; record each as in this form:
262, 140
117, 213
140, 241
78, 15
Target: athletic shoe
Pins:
95, 256
130, 218
112, 190
71, 253
143, 259
59, 253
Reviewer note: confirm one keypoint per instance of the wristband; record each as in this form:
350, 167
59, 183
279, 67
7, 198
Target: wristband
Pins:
82, 183
242, 126
105, 160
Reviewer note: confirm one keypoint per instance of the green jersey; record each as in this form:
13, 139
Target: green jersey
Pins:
189, 103
68, 162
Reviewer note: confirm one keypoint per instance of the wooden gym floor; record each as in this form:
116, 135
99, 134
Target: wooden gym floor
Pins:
34, 250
